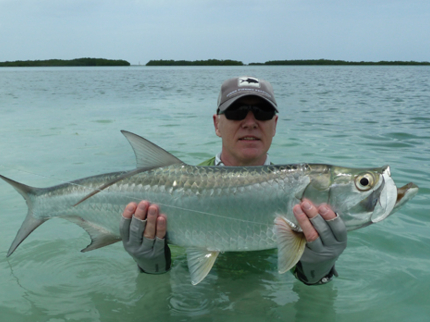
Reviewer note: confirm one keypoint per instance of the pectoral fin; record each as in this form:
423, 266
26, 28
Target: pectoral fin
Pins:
200, 262
291, 244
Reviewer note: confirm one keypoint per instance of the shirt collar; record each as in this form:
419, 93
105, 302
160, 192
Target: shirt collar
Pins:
218, 161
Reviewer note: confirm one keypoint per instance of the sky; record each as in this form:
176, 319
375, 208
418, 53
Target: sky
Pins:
248, 31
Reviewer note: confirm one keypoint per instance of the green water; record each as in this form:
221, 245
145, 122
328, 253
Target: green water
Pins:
59, 124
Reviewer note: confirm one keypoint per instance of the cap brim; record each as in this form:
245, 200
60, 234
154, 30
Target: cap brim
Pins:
229, 102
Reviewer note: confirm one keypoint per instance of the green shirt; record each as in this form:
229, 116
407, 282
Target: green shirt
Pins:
208, 163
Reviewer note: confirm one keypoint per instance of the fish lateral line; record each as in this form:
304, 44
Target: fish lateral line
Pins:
129, 173
116, 180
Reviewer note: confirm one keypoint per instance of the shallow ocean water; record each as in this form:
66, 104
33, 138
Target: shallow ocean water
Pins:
60, 124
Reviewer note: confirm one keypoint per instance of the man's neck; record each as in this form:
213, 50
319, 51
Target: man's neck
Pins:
219, 160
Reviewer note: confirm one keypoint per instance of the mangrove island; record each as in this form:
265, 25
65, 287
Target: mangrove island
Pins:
208, 62
295, 62
60, 63
322, 62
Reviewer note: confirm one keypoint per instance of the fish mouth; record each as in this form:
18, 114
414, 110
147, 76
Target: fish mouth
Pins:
391, 197
404, 194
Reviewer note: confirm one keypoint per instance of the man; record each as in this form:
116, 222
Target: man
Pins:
246, 122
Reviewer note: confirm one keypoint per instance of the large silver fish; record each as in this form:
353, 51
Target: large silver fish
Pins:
215, 209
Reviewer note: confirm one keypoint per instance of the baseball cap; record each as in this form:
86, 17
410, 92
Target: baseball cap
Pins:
235, 88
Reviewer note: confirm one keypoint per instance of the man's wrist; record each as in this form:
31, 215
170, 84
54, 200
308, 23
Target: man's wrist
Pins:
156, 265
298, 272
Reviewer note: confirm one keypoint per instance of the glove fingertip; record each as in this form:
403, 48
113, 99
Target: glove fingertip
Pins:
338, 228
124, 227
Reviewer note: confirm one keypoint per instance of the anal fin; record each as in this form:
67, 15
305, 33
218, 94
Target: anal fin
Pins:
200, 262
291, 244
100, 237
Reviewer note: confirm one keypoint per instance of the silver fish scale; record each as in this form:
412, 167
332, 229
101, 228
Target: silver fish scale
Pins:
218, 208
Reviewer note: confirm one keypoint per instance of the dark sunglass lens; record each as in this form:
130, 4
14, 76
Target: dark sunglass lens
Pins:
236, 114
263, 114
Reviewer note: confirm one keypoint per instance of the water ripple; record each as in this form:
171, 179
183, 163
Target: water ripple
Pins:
349, 116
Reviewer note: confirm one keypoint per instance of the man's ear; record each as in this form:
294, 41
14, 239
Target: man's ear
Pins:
216, 120
276, 123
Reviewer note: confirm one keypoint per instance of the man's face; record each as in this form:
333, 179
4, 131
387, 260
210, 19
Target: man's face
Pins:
247, 141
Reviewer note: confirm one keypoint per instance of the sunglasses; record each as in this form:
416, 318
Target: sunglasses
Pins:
238, 113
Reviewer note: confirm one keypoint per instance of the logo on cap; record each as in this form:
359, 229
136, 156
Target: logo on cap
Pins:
249, 81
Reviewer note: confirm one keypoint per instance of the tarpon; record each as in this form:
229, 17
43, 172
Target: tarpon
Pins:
215, 209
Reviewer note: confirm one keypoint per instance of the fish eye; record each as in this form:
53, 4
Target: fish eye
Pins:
364, 181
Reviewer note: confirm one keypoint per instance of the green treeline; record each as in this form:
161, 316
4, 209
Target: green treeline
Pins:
216, 62
208, 62
336, 62
60, 62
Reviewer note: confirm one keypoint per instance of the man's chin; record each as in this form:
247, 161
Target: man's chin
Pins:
252, 155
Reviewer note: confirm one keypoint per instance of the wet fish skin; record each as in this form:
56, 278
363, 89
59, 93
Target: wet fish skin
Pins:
213, 209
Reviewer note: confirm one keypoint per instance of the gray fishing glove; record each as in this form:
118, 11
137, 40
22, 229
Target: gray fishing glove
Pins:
151, 255
316, 266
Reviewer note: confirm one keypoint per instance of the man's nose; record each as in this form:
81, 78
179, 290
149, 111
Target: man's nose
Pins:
250, 120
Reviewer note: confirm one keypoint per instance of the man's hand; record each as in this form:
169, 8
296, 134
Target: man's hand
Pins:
325, 234
143, 231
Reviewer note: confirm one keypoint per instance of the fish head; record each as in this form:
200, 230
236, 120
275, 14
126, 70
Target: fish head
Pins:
365, 196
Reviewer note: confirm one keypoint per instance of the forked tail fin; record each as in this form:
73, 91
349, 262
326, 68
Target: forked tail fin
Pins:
30, 223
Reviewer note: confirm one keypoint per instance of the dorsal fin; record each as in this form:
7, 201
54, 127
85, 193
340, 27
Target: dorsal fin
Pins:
148, 154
